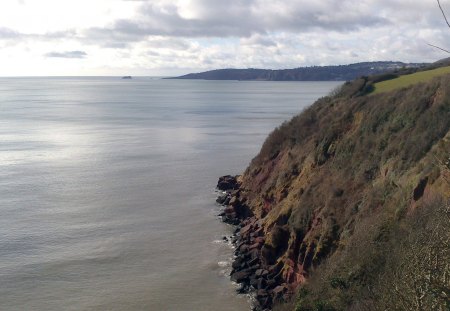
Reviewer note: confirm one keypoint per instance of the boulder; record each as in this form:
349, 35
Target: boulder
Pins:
221, 198
268, 254
227, 182
279, 290
245, 230
254, 282
261, 293
261, 273
241, 276
237, 262
262, 284
242, 289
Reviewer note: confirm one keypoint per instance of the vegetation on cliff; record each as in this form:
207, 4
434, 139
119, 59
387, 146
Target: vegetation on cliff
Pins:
351, 200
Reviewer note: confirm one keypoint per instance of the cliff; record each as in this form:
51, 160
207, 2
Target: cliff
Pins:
315, 73
346, 207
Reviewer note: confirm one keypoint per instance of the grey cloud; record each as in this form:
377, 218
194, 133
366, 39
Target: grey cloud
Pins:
235, 18
10, 34
166, 21
259, 40
168, 43
6, 33
67, 54
56, 35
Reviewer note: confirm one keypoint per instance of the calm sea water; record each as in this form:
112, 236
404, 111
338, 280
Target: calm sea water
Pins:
107, 188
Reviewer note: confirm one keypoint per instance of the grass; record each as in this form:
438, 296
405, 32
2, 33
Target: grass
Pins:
407, 80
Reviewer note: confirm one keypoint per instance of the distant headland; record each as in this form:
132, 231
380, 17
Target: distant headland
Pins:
314, 73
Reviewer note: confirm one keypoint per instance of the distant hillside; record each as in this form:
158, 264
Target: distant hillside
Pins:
315, 73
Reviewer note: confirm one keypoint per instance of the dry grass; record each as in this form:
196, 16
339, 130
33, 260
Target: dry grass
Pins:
407, 80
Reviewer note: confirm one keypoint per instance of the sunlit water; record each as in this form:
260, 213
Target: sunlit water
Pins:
107, 188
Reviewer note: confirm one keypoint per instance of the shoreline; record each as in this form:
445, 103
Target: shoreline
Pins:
253, 267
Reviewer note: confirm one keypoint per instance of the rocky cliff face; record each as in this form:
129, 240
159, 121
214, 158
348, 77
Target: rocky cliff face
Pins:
347, 172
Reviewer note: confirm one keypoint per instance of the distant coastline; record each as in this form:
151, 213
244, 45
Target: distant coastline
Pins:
314, 73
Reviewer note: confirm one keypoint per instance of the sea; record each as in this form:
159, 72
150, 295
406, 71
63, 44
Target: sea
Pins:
107, 188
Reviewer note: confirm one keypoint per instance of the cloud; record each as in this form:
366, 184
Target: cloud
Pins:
10, 34
236, 18
67, 54
258, 40
192, 35
6, 33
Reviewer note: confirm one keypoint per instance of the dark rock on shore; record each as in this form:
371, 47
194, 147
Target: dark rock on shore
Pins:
223, 199
254, 267
228, 182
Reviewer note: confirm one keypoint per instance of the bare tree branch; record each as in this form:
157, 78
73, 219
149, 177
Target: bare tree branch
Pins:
439, 48
443, 13
448, 24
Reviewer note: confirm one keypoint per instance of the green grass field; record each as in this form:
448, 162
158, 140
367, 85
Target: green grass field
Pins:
407, 80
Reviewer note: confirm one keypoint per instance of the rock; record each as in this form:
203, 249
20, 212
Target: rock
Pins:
221, 198
243, 248
237, 262
259, 240
261, 273
227, 200
262, 284
268, 254
229, 210
255, 246
234, 201
276, 269
261, 293
266, 303
279, 290
227, 182
254, 282
254, 267
253, 261
271, 284
241, 276
242, 289
254, 254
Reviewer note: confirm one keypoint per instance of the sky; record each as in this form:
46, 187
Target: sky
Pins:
171, 37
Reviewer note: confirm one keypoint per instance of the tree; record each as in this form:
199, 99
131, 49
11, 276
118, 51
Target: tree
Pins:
448, 24
417, 277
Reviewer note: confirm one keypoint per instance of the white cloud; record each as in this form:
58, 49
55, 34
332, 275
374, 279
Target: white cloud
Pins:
157, 37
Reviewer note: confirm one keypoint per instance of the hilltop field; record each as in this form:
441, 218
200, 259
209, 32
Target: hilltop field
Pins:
408, 80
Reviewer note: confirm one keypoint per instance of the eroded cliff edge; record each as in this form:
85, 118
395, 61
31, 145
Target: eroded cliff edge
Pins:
326, 210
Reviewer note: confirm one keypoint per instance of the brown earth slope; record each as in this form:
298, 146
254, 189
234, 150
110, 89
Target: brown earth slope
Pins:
342, 196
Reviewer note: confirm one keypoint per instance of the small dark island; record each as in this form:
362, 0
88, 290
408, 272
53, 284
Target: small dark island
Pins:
127, 77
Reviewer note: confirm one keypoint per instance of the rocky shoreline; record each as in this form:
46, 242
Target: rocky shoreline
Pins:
254, 267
